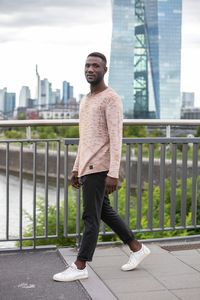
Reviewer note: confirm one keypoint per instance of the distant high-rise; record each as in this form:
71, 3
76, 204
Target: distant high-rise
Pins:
66, 92
187, 99
2, 99
45, 93
55, 97
10, 103
38, 92
71, 91
24, 96
146, 55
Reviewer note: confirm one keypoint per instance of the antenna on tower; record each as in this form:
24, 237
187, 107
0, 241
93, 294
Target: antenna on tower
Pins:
36, 68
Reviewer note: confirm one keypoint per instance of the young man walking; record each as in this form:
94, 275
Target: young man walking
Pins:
96, 168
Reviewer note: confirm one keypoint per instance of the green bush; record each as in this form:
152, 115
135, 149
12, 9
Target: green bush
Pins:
40, 217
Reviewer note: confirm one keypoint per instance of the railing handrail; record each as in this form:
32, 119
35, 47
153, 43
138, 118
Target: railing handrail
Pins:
70, 122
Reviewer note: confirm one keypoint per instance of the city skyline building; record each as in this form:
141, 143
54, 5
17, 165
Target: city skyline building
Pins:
2, 99
145, 61
55, 97
10, 103
121, 70
65, 92
188, 99
24, 96
45, 93
7, 102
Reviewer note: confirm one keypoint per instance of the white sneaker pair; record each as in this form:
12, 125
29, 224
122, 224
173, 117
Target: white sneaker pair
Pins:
72, 273
136, 258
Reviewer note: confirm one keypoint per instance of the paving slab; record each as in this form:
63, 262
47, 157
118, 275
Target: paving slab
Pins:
162, 275
154, 295
180, 282
188, 294
136, 285
94, 285
28, 275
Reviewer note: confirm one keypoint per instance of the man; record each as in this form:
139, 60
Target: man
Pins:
96, 168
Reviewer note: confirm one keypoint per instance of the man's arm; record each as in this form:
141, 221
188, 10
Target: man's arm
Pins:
74, 180
114, 117
74, 175
111, 184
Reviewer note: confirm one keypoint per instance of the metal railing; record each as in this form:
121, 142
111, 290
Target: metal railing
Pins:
160, 187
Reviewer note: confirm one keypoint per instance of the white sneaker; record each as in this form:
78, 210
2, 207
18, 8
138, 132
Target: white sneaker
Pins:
136, 258
71, 274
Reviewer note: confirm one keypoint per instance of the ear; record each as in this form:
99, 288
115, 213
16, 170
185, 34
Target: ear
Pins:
106, 69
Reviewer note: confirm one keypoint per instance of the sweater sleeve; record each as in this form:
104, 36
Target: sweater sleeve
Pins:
76, 163
114, 119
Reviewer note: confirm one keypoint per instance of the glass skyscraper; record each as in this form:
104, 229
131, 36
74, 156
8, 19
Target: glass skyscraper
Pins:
146, 55
121, 73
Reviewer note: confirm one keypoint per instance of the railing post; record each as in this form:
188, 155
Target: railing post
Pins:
168, 131
28, 132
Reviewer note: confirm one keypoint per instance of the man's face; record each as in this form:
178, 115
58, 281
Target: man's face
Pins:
95, 69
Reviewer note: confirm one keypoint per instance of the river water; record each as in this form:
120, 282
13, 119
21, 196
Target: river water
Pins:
27, 199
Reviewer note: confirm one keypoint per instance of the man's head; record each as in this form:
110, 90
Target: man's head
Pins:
100, 55
95, 67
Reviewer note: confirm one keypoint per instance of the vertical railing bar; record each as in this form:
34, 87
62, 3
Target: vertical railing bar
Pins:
184, 185
7, 191
162, 184
58, 190
115, 202
168, 131
28, 132
173, 187
127, 207
194, 184
66, 190
46, 189
139, 187
20, 194
150, 180
34, 193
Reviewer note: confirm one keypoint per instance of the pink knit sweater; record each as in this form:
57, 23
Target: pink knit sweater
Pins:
100, 131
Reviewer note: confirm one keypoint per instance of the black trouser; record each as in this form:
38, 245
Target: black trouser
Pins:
96, 207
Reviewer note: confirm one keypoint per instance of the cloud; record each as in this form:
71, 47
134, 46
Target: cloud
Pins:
191, 10
25, 13
19, 18
190, 23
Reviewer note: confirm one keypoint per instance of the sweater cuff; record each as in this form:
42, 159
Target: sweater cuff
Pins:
113, 174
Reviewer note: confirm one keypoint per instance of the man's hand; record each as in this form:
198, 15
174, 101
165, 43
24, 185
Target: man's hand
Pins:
111, 184
74, 180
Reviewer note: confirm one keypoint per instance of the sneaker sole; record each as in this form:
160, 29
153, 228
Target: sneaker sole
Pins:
67, 280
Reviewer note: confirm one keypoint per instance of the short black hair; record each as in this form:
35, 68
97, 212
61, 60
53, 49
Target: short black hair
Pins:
98, 54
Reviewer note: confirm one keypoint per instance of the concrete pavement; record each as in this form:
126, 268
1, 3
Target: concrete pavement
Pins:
162, 275
28, 276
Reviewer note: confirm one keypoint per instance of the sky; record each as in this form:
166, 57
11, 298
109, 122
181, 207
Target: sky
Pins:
57, 35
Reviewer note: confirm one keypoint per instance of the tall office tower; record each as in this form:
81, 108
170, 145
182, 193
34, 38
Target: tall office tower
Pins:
55, 97
45, 94
38, 87
71, 91
121, 73
24, 96
65, 92
156, 52
10, 102
188, 99
2, 99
